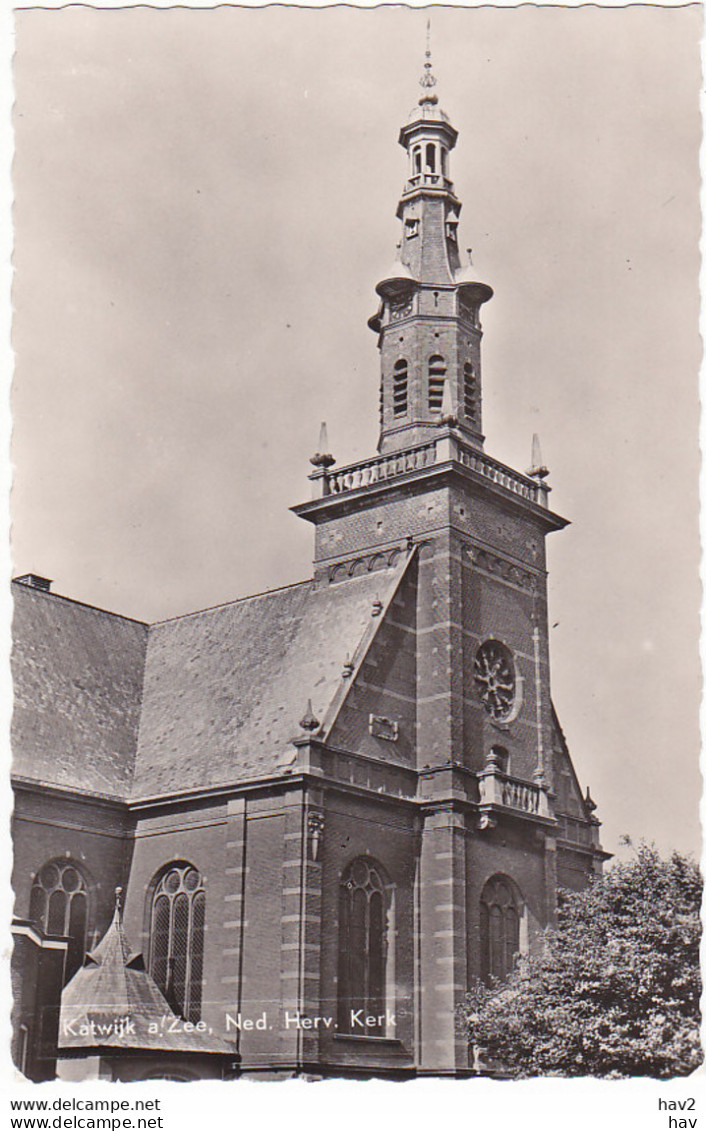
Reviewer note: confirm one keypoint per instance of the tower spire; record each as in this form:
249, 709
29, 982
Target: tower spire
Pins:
428, 81
428, 322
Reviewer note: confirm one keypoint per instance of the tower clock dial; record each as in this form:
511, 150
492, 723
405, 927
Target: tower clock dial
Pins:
494, 675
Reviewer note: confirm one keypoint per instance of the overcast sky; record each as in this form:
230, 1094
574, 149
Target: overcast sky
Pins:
204, 202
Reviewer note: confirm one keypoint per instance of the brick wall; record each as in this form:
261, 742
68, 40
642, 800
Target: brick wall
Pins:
37, 970
95, 836
387, 833
386, 685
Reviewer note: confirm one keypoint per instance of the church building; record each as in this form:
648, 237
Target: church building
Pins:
329, 807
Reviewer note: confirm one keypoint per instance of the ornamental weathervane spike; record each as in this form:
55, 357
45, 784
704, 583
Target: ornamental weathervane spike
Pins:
427, 81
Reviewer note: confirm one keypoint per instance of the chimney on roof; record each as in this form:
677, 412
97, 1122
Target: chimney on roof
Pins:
34, 581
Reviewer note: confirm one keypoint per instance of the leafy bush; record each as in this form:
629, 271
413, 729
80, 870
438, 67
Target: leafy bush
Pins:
614, 989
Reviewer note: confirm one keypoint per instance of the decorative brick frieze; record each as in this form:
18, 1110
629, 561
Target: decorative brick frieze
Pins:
366, 563
502, 568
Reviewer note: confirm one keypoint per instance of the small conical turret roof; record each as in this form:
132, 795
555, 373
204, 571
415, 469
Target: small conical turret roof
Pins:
113, 950
113, 1002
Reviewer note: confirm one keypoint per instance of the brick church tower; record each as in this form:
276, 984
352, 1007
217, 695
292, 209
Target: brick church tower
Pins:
466, 673
333, 805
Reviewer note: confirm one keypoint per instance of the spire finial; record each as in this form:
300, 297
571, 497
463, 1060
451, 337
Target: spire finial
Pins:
118, 900
427, 81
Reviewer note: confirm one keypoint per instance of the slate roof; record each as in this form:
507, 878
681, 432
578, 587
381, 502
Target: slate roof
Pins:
211, 698
112, 1002
77, 675
224, 689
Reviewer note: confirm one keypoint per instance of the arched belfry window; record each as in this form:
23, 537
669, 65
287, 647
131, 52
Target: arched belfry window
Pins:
177, 921
437, 376
364, 915
399, 387
501, 910
430, 158
59, 904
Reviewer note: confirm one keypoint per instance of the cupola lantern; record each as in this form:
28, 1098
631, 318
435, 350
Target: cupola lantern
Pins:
428, 322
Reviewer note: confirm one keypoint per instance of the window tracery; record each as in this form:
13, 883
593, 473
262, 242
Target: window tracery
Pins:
363, 946
501, 909
59, 904
177, 924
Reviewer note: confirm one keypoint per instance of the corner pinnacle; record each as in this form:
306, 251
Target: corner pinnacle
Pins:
322, 457
538, 469
309, 720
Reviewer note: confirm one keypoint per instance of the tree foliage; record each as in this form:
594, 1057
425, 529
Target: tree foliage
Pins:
614, 988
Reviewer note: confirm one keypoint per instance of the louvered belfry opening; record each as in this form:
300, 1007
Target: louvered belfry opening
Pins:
399, 388
437, 376
470, 394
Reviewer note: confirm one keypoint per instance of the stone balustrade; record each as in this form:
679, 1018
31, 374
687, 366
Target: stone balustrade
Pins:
520, 795
496, 788
380, 467
504, 476
430, 180
331, 481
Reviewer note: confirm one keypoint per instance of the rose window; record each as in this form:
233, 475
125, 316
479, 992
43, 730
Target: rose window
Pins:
494, 675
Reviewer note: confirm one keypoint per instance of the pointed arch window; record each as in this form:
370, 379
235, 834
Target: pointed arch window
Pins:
177, 923
364, 913
470, 393
437, 376
501, 910
59, 904
399, 387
